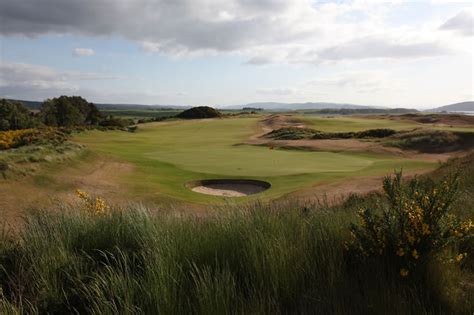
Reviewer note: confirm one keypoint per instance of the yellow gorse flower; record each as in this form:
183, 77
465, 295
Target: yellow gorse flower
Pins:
403, 272
93, 206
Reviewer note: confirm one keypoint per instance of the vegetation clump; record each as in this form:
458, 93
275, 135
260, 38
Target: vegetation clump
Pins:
433, 141
294, 133
16, 138
14, 116
199, 113
414, 224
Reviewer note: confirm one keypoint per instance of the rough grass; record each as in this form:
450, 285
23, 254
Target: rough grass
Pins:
27, 159
433, 141
293, 133
262, 258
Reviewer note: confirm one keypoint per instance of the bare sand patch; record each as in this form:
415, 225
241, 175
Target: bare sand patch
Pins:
229, 187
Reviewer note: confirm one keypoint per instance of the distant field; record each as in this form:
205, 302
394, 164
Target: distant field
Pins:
167, 155
140, 113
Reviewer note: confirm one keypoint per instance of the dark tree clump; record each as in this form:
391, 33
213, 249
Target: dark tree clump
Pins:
199, 112
14, 116
66, 111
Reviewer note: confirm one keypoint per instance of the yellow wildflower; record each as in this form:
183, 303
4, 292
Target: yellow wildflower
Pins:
403, 272
400, 252
425, 229
460, 257
415, 255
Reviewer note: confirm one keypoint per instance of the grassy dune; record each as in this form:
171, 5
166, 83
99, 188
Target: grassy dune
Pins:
168, 155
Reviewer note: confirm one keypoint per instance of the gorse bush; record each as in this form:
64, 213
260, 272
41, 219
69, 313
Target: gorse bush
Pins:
413, 224
16, 138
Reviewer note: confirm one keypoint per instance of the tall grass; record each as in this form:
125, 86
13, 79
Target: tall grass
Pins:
260, 258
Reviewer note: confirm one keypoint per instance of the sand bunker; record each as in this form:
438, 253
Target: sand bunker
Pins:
228, 187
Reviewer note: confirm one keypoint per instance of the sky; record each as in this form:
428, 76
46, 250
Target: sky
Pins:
416, 54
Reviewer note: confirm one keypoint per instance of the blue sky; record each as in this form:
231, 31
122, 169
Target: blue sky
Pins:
223, 52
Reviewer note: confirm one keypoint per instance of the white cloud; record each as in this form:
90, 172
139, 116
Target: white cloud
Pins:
22, 80
277, 91
463, 23
264, 31
378, 47
83, 52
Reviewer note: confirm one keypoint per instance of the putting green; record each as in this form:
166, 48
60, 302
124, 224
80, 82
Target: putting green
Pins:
167, 155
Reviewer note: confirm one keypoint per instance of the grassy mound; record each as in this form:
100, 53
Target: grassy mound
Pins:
263, 258
293, 133
433, 141
199, 113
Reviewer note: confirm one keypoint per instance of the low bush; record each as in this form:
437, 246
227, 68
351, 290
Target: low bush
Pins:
291, 133
414, 224
294, 133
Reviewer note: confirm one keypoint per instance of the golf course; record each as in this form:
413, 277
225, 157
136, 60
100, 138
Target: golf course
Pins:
167, 155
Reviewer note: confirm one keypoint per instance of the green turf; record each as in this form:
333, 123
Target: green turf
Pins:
167, 155
344, 124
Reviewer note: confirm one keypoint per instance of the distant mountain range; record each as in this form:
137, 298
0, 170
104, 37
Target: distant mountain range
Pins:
36, 105
273, 106
299, 106
457, 107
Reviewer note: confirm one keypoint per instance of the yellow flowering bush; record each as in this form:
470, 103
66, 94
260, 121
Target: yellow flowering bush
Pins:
93, 206
16, 138
413, 223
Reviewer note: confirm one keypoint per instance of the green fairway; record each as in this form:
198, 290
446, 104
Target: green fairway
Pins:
167, 155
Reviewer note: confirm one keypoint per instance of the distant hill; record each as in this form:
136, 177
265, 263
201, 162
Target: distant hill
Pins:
457, 107
140, 106
29, 104
299, 106
37, 105
199, 112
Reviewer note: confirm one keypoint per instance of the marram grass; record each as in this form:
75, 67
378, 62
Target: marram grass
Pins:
255, 259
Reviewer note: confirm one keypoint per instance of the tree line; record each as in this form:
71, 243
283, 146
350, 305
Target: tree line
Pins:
63, 111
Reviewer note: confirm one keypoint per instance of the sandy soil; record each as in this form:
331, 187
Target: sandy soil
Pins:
228, 187
225, 192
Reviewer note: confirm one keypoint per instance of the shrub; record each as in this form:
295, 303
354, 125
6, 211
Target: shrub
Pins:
376, 133
413, 224
17, 138
112, 122
291, 133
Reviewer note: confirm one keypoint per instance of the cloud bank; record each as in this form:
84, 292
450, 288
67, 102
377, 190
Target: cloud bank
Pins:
264, 31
